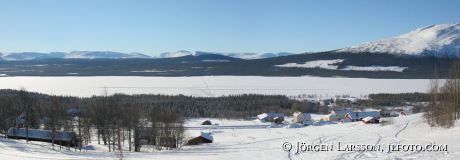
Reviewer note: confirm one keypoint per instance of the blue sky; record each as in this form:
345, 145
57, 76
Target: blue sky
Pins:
151, 26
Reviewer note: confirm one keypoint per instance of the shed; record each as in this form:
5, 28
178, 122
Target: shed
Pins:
203, 138
207, 122
263, 117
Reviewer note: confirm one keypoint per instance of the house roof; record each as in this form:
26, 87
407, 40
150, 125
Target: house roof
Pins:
207, 136
368, 118
270, 115
359, 115
262, 116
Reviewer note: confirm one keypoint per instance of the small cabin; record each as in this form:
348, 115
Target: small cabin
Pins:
207, 122
203, 138
60, 137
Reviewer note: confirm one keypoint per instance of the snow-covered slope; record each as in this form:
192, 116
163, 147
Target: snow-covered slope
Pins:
256, 55
441, 40
180, 53
240, 139
31, 56
75, 54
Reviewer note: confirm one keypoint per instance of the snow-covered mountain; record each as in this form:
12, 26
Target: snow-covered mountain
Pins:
74, 54
257, 55
180, 53
104, 54
19, 56
234, 55
441, 40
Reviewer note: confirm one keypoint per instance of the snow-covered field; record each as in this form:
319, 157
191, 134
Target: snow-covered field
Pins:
266, 143
214, 85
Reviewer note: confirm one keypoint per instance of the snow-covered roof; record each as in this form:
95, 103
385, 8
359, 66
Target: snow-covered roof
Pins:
206, 135
262, 116
359, 115
368, 118
270, 115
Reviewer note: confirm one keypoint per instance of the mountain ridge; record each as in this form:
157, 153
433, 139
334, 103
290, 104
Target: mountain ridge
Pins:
440, 40
20, 56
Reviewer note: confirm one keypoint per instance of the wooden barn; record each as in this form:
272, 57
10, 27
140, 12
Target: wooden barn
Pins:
203, 138
60, 137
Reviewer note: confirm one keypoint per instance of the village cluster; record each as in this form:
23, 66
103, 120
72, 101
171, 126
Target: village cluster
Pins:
341, 115
299, 119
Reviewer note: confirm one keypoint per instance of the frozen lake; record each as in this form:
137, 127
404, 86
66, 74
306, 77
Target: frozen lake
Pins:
214, 85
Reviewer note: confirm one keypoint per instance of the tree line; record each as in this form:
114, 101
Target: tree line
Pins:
136, 120
444, 106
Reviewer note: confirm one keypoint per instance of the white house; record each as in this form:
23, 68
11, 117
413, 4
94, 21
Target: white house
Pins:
301, 118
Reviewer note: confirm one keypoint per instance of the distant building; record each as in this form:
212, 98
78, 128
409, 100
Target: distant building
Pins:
301, 118
207, 122
270, 117
203, 138
369, 119
359, 116
60, 137
338, 114
385, 113
396, 111
278, 120
402, 113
